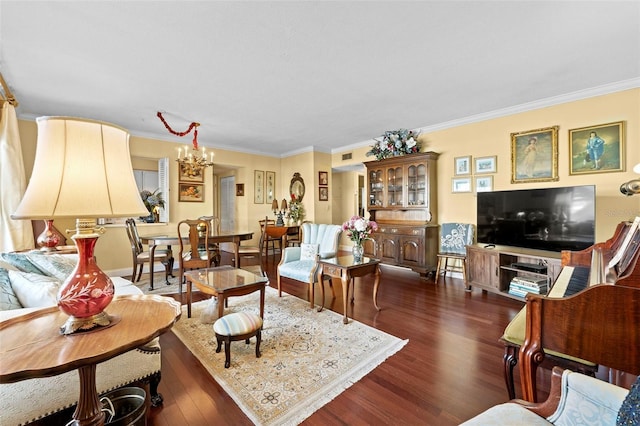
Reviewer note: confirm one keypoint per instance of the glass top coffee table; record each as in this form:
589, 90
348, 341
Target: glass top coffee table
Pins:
346, 269
225, 281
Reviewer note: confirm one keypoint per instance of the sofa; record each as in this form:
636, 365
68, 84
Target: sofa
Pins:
299, 263
29, 281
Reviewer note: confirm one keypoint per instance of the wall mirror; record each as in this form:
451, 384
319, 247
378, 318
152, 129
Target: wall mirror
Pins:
297, 186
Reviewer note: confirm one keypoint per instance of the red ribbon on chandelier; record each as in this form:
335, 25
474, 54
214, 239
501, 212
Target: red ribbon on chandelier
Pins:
193, 126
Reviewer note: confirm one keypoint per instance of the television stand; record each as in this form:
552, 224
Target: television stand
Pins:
494, 268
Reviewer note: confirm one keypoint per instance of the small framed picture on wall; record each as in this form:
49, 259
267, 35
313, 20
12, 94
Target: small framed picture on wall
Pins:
323, 194
484, 183
323, 178
462, 165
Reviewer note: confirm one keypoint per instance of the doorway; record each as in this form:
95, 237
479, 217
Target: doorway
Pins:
227, 204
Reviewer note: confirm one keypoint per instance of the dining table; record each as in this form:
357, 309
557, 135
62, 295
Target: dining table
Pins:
154, 241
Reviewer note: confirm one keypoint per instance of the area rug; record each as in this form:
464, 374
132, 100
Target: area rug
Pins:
159, 284
308, 357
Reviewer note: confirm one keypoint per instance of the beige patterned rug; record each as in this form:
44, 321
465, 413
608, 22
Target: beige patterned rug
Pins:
308, 357
159, 284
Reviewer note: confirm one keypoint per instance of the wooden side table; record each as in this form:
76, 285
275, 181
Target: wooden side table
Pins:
31, 345
347, 270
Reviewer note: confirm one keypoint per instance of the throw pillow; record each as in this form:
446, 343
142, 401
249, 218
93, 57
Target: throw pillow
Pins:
308, 251
20, 261
34, 290
629, 413
8, 298
54, 265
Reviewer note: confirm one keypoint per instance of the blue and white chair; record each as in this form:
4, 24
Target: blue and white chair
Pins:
454, 239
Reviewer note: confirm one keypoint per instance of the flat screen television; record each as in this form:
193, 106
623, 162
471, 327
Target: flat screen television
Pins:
552, 219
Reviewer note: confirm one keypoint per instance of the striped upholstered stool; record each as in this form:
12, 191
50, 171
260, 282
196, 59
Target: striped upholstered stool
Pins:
237, 326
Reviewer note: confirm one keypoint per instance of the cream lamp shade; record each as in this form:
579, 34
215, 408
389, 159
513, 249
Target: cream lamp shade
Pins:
82, 169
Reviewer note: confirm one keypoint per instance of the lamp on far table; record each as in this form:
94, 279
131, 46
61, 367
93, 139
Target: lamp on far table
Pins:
82, 170
279, 213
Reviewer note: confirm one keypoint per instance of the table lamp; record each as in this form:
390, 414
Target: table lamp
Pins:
82, 170
279, 214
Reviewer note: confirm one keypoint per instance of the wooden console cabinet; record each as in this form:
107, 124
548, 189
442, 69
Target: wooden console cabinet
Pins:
491, 268
402, 199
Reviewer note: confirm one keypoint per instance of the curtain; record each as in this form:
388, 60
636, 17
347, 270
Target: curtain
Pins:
14, 234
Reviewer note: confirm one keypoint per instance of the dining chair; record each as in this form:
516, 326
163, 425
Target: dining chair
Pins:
454, 239
254, 252
268, 239
195, 252
214, 227
140, 256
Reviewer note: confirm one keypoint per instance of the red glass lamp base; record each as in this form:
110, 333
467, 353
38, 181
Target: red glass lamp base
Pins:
88, 290
48, 240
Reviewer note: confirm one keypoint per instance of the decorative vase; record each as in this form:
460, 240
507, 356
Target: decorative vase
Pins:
358, 252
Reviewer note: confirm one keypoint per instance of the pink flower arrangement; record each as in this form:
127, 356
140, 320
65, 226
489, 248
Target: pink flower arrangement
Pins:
359, 229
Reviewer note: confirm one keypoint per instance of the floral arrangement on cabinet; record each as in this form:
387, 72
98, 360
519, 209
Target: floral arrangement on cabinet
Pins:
395, 143
296, 210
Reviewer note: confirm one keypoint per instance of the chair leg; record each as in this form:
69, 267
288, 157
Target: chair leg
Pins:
258, 340
140, 272
166, 271
438, 265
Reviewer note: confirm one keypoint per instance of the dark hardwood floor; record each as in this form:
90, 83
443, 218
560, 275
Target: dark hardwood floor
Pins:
450, 370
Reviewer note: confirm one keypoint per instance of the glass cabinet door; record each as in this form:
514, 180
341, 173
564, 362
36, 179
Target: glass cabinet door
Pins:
394, 187
375, 188
416, 185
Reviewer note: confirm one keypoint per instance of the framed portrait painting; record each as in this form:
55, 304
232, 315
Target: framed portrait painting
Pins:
597, 149
323, 178
258, 186
239, 189
323, 194
462, 165
191, 192
534, 155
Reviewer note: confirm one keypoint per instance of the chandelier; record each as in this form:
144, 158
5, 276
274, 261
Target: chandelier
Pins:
192, 161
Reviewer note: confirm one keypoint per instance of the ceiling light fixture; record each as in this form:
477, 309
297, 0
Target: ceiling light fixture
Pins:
194, 162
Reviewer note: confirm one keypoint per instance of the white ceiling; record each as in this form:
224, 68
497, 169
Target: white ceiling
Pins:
280, 77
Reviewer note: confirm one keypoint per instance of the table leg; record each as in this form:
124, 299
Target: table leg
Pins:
236, 241
320, 274
376, 283
189, 285
262, 302
88, 412
346, 279
152, 251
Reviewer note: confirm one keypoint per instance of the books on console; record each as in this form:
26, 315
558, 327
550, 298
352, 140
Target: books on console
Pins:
520, 286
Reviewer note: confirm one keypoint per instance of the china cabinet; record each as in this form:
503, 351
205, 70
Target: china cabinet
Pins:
402, 200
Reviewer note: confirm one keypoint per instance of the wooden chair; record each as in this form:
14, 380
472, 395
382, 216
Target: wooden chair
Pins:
454, 238
272, 240
254, 252
140, 256
214, 227
603, 328
196, 252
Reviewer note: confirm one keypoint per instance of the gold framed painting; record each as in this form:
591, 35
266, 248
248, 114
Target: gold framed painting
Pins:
597, 149
258, 186
191, 192
534, 155
187, 173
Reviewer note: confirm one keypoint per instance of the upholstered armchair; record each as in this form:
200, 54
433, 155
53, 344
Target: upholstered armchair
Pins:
299, 263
